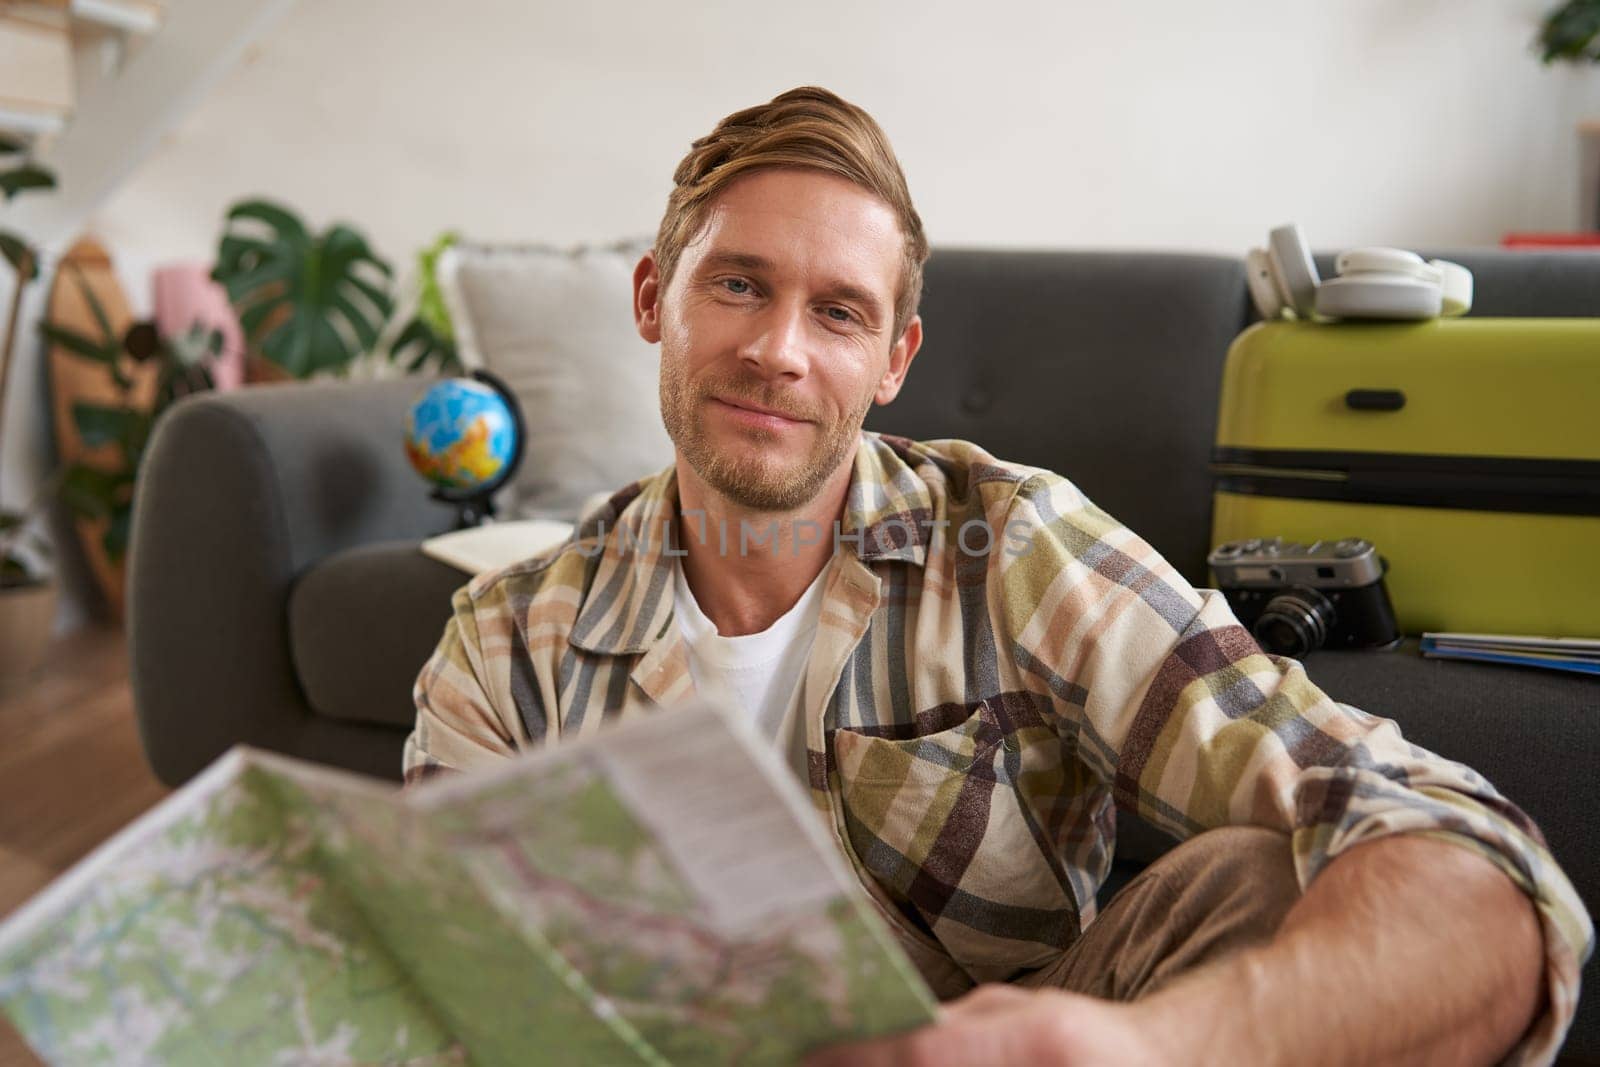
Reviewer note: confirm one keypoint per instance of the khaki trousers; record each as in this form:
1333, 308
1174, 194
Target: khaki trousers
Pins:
1211, 895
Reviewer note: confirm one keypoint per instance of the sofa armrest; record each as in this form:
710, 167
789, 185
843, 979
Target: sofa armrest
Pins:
239, 495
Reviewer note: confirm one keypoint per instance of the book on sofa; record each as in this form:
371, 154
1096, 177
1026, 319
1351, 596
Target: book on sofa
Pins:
662, 893
1576, 654
478, 549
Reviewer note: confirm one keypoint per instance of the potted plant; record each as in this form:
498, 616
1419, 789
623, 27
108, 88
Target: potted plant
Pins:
103, 490
306, 302
428, 338
27, 587
311, 303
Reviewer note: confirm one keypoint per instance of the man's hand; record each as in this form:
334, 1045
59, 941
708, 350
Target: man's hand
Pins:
1004, 1024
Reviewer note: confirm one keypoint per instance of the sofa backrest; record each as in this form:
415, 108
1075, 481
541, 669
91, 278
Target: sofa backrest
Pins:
1100, 366
1104, 366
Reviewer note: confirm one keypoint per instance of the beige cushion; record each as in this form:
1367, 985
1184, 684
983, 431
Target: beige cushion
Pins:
556, 325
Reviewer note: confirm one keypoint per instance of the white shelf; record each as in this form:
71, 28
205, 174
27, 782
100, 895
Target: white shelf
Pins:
126, 16
31, 123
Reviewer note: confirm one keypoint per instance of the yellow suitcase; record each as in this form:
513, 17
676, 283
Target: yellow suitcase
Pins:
1466, 450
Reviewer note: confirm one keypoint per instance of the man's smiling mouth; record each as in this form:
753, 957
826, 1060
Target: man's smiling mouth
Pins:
757, 411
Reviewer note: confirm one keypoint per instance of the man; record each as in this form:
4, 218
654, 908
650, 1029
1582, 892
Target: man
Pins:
972, 663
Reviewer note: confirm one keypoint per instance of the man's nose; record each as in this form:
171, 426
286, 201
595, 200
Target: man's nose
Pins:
777, 347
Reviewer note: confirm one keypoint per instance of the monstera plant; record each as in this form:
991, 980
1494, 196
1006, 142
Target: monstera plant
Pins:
306, 302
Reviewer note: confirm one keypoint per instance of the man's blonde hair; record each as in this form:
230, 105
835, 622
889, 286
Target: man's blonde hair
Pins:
804, 127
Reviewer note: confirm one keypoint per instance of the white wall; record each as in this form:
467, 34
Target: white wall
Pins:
1166, 124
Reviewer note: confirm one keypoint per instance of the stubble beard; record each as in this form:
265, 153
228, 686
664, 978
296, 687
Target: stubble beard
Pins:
753, 478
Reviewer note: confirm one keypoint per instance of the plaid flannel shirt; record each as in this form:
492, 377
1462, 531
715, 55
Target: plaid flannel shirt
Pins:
975, 708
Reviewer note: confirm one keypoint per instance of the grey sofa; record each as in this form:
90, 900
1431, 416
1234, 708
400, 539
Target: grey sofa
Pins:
277, 595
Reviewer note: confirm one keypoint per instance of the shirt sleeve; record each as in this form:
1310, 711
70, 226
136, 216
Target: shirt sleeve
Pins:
1191, 725
457, 724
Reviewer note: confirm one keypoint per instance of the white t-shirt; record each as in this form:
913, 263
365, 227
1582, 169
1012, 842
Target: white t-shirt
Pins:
757, 674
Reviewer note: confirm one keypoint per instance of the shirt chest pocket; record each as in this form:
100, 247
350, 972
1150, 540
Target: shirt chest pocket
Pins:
943, 822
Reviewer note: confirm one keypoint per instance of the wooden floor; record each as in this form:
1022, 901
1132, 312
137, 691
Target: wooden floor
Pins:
71, 772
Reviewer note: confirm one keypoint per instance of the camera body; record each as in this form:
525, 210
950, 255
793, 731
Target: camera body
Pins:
1296, 598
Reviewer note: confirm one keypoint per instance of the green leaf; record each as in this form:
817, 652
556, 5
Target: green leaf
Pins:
422, 346
289, 346
431, 307
137, 436
12, 146
102, 425
362, 323
15, 249
377, 296
110, 337
328, 350
115, 539
326, 297
253, 316
77, 344
89, 491
284, 224
1569, 32
27, 176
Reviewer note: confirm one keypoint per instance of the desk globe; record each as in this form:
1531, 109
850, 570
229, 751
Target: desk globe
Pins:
465, 436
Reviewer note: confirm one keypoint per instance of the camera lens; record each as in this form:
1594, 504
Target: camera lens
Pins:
1294, 622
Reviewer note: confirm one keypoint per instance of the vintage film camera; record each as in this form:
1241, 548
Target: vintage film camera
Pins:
1296, 598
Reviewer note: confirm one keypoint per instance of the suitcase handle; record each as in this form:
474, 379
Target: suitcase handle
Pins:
1374, 400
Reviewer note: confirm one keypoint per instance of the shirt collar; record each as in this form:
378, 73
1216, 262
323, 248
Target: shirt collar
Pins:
628, 606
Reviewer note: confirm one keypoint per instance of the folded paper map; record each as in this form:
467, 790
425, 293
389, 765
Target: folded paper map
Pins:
661, 894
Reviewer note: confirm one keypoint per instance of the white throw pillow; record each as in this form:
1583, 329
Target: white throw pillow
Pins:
555, 324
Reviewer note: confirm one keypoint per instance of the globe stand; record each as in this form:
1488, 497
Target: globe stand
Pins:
475, 506
469, 512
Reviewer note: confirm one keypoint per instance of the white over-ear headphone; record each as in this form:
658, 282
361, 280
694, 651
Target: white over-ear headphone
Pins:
1372, 283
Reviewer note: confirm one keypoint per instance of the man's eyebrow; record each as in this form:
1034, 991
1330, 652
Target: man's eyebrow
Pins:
838, 290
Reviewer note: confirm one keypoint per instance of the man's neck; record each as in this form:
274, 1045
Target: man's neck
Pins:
747, 567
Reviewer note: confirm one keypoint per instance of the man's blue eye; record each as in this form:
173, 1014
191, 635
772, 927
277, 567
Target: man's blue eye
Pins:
844, 314
737, 281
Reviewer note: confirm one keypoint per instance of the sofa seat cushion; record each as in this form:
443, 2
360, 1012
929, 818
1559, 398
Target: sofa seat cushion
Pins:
361, 625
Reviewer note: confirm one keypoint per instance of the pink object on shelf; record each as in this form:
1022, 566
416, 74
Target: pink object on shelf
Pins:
185, 295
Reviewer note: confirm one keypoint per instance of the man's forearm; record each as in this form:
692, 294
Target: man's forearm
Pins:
1404, 950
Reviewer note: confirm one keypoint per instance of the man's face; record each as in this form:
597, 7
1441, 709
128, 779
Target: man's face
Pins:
775, 334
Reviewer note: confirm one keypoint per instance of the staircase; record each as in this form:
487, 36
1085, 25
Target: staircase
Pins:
93, 85
96, 83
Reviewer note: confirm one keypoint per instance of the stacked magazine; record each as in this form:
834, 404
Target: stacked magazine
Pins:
1577, 654
664, 893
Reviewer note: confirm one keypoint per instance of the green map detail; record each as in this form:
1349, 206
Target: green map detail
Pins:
491, 982
276, 913
566, 860
219, 941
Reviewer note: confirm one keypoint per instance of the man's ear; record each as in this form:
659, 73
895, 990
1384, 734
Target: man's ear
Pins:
900, 357
647, 298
